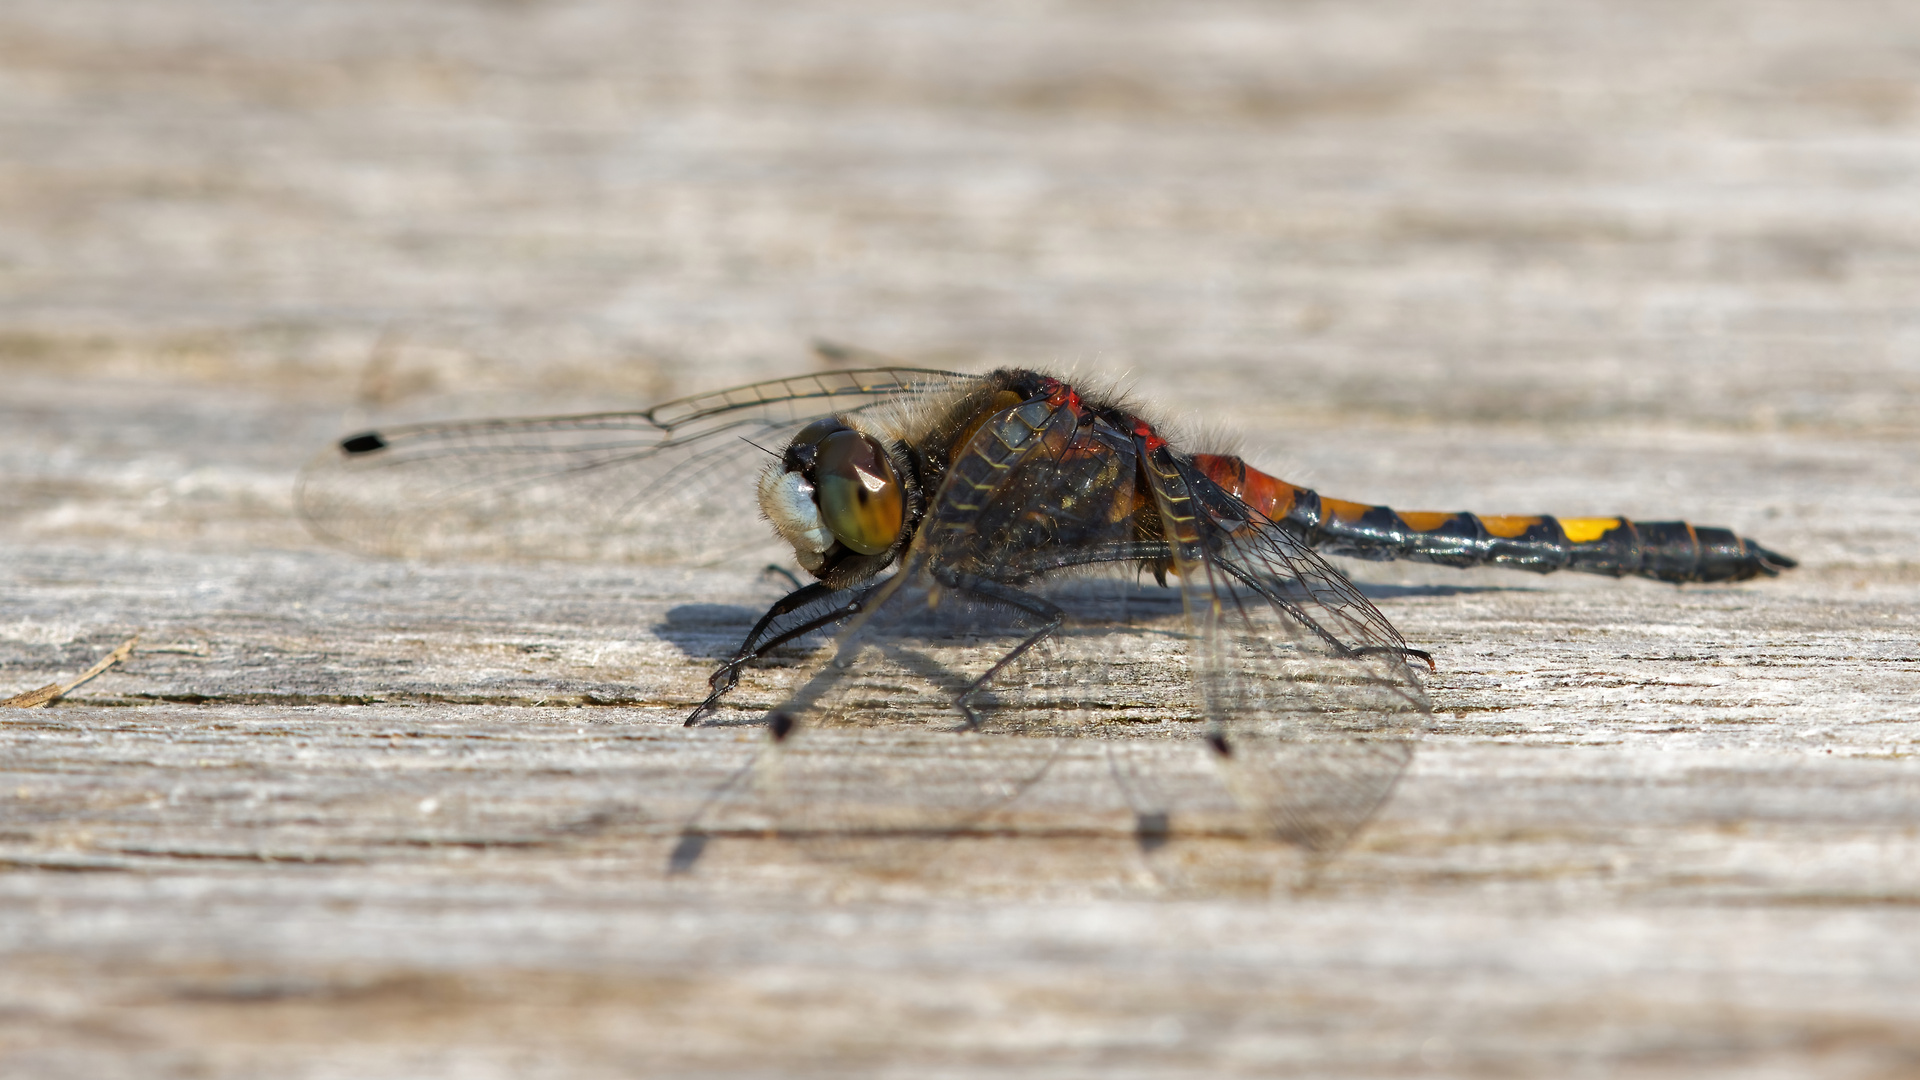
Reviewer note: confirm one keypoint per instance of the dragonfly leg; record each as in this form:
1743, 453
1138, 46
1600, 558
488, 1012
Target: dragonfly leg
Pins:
786, 605
1294, 611
776, 570
1050, 614
1400, 651
727, 675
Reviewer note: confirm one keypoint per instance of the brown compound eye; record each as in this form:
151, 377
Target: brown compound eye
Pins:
859, 497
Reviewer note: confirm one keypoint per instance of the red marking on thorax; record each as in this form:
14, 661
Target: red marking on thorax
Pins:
1145, 431
1271, 497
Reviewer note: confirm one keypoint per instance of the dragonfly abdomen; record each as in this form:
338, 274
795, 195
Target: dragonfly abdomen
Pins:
1673, 551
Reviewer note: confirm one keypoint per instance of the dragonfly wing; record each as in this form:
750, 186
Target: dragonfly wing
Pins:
1311, 695
864, 763
672, 483
869, 759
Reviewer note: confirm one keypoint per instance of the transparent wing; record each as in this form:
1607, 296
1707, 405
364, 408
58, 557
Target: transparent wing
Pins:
1270, 702
873, 760
675, 482
866, 764
1312, 697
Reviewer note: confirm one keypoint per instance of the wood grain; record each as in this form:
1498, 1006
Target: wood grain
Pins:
337, 816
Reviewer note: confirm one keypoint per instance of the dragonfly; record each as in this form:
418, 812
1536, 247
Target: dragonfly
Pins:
977, 546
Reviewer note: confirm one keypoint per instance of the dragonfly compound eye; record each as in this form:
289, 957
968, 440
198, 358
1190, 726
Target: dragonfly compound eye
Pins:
858, 494
804, 450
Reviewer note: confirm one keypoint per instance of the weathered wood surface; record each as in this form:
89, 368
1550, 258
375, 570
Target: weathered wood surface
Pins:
345, 817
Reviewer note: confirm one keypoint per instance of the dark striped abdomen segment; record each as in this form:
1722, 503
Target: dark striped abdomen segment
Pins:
1667, 550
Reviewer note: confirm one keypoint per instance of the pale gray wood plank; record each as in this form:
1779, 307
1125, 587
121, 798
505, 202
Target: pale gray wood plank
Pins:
340, 816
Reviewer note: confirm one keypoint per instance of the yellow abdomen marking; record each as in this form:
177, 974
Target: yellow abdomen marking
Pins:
1348, 512
1424, 520
1587, 530
1508, 526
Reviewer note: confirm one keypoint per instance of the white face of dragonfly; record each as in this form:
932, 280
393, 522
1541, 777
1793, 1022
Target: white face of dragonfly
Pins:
787, 500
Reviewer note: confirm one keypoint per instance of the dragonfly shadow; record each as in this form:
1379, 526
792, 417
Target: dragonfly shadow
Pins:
707, 631
1400, 592
713, 631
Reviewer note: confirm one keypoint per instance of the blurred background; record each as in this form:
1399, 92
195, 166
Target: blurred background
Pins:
1407, 251
1585, 257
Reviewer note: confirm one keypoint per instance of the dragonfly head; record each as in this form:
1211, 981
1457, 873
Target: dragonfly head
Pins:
839, 499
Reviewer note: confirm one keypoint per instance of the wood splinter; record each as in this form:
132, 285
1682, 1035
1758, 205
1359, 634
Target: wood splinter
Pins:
53, 692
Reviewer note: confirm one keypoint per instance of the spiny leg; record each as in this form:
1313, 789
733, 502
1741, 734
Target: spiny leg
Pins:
1400, 651
1051, 615
786, 605
1293, 611
727, 675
